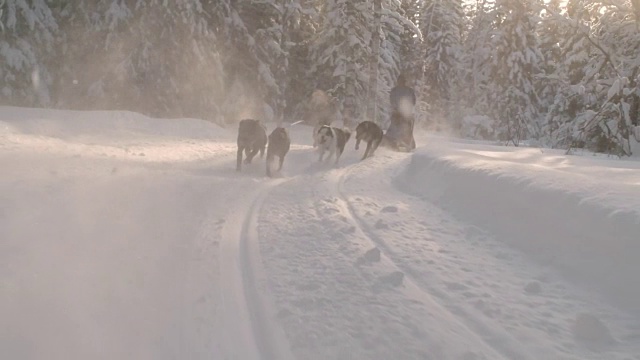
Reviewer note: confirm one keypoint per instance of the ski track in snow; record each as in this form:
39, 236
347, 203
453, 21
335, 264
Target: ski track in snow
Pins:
498, 341
251, 334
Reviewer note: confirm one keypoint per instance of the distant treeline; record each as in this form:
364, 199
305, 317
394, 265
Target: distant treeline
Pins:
561, 73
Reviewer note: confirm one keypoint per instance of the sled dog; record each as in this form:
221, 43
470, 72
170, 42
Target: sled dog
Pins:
279, 144
252, 137
332, 139
371, 133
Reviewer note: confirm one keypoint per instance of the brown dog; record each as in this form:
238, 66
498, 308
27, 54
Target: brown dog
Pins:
371, 133
279, 144
252, 137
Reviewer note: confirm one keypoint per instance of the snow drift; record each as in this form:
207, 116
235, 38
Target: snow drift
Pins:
580, 215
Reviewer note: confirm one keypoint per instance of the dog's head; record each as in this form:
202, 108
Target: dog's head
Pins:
250, 129
247, 127
325, 134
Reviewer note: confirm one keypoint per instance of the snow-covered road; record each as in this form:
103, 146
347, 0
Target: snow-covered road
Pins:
134, 238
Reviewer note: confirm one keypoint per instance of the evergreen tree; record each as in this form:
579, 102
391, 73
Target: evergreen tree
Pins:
516, 61
28, 39
397, 31
441, 23
340, 52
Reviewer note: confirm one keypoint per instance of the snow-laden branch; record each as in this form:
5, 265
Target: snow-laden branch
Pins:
1, 11
404, 21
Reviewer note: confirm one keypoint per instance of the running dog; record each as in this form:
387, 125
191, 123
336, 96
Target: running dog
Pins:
279, 144
371, 133
252, 137
332, 139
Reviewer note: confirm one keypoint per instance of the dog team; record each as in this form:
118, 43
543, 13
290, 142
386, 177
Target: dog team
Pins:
252, 138
252, 134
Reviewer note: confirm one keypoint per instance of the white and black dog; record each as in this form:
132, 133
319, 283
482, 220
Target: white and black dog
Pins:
372, 134
279, 144
332, 139
252, 137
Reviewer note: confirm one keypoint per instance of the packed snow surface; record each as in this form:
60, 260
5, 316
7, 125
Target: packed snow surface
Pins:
128, 237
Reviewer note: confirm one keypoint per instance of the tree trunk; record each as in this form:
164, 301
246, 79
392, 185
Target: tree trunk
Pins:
283, 61
372, 103
349, 118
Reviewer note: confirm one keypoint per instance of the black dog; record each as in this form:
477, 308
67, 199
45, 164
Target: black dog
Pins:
332, 139
252, 137
371, 133
279, 144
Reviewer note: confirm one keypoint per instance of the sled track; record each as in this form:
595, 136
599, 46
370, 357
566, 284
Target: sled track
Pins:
429, 295
247, 311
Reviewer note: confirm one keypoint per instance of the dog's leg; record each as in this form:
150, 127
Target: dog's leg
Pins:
357, 144
239, 158
332, 152
375, 146
251, 155
321, 153
315, 135
367, 150
281, 162
269, 160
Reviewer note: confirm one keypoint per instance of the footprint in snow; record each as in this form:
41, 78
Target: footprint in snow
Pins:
533, 288
590, 330
393, 279
308, 287
381, 225
370, 256
389, 209
454, 286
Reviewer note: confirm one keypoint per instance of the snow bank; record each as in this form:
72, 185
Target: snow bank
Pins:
578, 214
66, 124
119, 135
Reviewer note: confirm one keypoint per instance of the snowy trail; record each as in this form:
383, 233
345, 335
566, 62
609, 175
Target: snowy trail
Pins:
129, 237
110, 236
251, 334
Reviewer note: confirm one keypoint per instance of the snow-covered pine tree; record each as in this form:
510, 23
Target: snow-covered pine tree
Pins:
476, 65
303, 24
340, 53
252, 58
613, 69
570, 100
171, 57
397, 32
27, 40
411, 50
516, 62
397, 24
376, 39
88, 51
151, 56
441, 23
552, 29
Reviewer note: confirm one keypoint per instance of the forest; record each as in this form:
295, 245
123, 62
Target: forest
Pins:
555, 73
